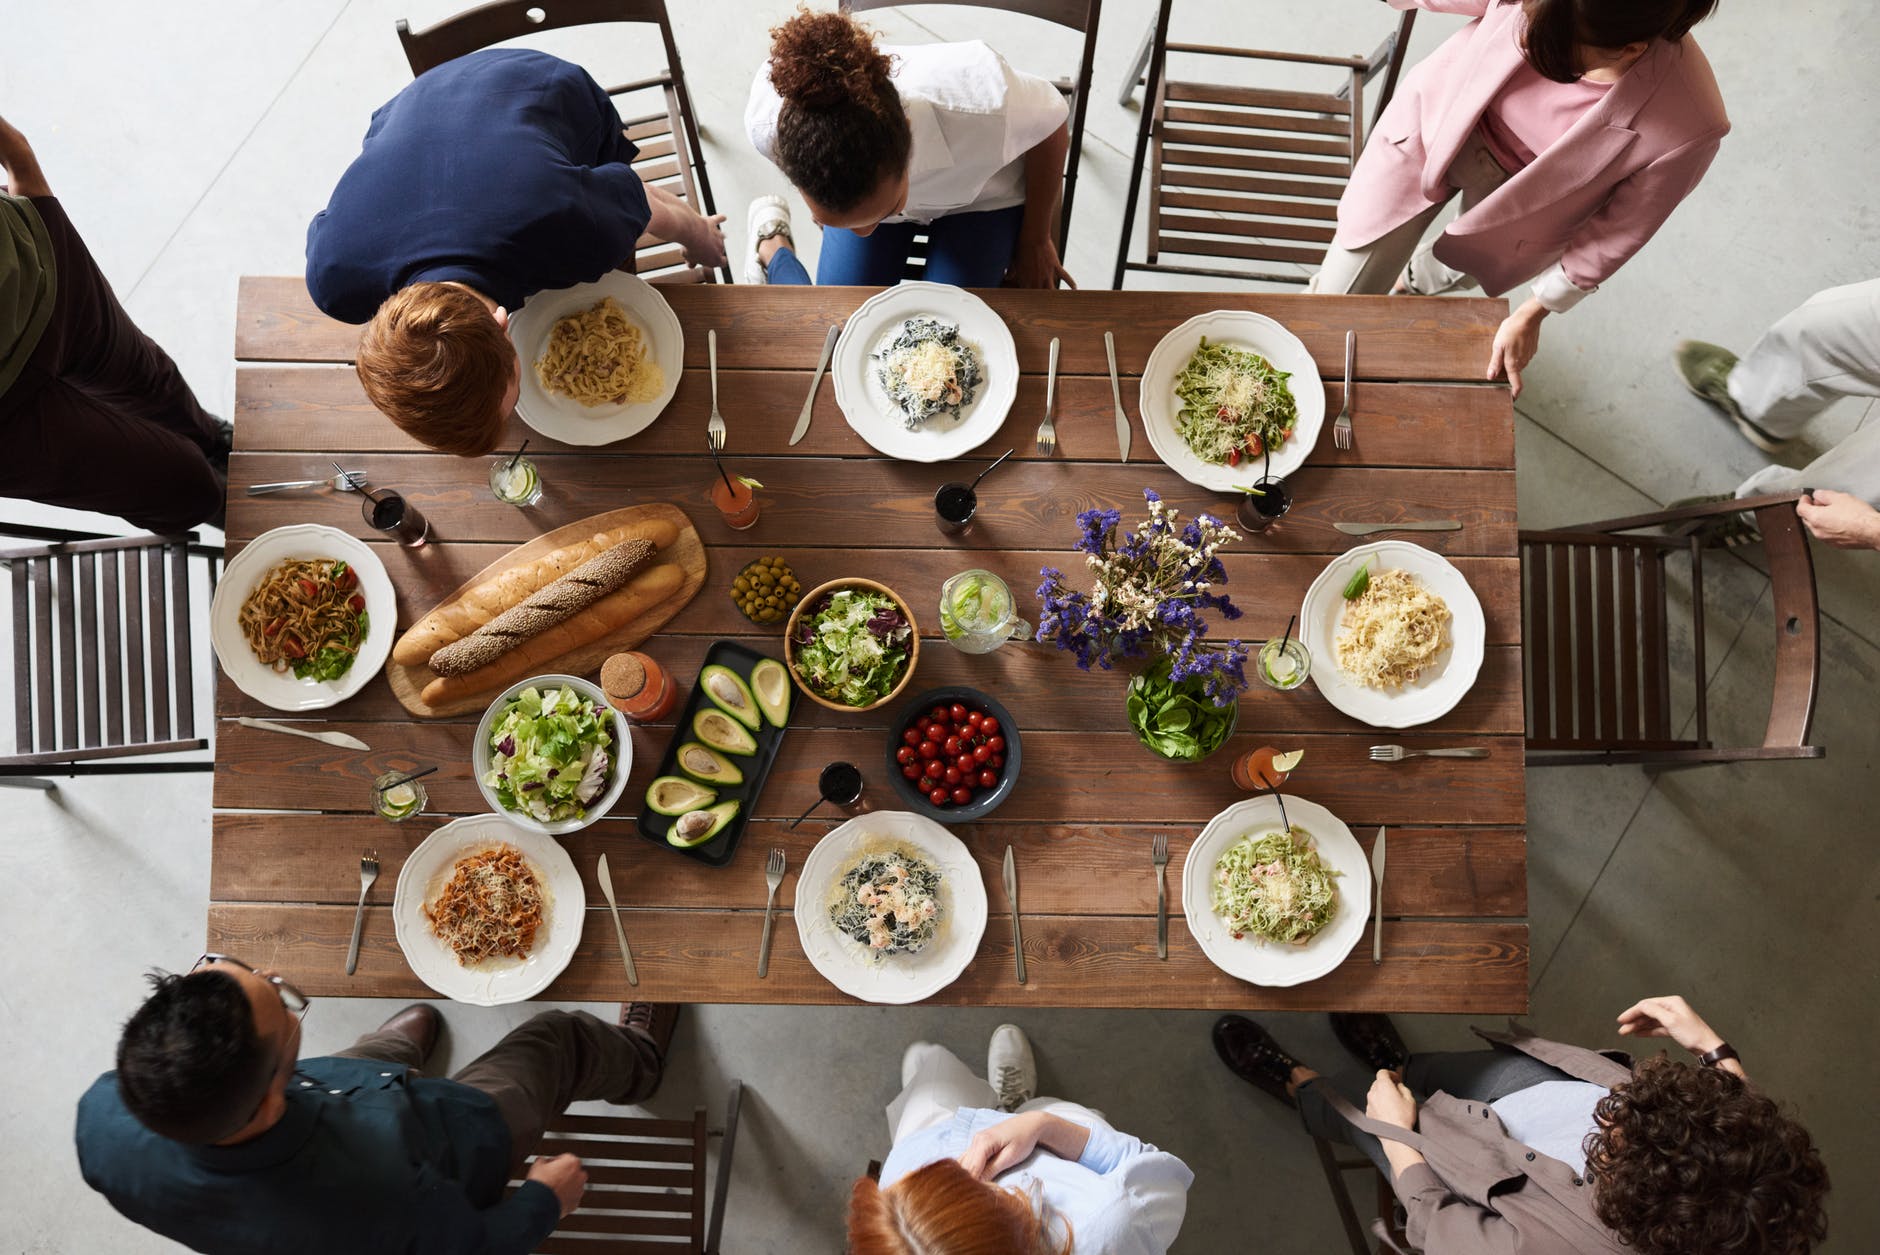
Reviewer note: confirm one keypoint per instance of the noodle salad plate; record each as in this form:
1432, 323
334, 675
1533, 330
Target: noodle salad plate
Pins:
1440, 684
489, 982
283, 600
898, 866
561, 417
1221, 381
925, 372
1250, 957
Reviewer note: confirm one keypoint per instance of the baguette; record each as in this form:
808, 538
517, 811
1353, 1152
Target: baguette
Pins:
482, 602
608, 615
544, 608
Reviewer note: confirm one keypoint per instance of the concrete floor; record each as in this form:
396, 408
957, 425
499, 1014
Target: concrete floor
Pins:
191, 142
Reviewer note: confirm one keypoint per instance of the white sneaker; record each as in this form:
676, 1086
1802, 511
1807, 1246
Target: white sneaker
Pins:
768, 216
1011, 1068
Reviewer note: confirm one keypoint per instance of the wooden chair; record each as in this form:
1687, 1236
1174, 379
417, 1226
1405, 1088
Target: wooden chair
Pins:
1077, 15
102, 653
1594, 610
657, 116
1389, 1234
1241, 174
646, 1183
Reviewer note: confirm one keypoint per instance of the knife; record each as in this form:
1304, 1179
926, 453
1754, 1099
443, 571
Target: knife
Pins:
607, 891
802, 420
1011, 895
1431, 525
331, 738
1116, 392
1377, 874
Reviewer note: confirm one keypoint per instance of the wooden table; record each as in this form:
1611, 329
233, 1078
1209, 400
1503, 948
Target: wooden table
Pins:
1431, 442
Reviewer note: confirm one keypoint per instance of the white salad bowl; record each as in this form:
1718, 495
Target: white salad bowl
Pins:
482, 757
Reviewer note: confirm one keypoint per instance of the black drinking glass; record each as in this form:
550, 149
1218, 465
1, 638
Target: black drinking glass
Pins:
389, 512
954, 506
840, 784
1263, 507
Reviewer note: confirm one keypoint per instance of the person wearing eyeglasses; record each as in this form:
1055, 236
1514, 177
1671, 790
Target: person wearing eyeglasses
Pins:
215, 1133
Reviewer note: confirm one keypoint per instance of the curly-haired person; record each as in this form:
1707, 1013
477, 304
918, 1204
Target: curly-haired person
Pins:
1547, 1149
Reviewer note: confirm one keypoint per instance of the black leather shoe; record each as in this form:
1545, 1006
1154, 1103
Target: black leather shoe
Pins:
1371, 1038
1251, 1054
418, 1024
654, 1021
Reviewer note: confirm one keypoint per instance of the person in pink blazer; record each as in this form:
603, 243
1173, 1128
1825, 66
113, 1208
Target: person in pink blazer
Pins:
1571, 129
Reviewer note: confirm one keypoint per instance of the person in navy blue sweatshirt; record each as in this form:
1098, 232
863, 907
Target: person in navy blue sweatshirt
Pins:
490, 178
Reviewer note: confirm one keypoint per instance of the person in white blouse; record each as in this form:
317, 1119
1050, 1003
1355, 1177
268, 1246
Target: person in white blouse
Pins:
884, 143
981, 1163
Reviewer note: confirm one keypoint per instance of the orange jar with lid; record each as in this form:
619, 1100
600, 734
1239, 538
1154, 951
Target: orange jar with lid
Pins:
638, 687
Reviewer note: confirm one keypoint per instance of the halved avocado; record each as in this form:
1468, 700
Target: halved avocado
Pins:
675, 795
704, 763
731, 694
771, 685
722, 732
698, 827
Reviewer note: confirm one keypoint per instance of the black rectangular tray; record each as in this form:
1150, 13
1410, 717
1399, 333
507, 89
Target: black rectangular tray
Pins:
718, 851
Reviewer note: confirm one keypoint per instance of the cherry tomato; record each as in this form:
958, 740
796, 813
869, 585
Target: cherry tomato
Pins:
356, 604
911, 737
933, 769
952, 747
938, 797
989, 726
938, 714
996, 744
972, 718
292, 647
923, 723
966, 762
988, 778
929, 750
962, 795
911, 771
958, 712
1255, 446
996, 762
905, 755
1233, 457
953, 775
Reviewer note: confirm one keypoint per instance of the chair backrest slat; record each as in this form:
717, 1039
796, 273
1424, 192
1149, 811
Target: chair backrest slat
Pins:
113, 661
1798, 627
1584, 678
179, 626
137, 728
1655, 655
699, 1137
90, 699
65, 580
157, 618
1629, 670
46, 735
1536, 641
19, 585
1606, 652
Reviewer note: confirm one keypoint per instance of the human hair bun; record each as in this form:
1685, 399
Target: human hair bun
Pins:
822, 60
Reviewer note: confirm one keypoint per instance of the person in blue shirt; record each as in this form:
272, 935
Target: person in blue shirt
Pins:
490, 178
214, 1133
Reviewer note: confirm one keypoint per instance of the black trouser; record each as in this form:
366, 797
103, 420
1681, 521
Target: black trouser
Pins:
100, 418
1471, 1075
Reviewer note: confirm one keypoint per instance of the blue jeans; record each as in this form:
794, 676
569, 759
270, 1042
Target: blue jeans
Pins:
969, 250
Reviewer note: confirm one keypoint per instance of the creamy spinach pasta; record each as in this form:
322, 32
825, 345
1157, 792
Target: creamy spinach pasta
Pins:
927, 370
888, 901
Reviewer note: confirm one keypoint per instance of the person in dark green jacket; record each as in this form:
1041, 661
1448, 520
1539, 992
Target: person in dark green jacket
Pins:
215, 1133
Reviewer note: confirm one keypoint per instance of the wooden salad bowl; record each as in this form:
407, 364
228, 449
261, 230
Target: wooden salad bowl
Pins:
810, 598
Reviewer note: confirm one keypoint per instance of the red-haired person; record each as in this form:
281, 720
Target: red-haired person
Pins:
1543, 1149
1571, 129
981, 1166
490, 178
883, 143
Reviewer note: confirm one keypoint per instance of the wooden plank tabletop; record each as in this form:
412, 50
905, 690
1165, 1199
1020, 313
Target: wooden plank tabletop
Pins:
1432, 441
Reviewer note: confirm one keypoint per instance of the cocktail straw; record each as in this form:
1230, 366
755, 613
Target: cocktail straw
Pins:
393, 784
721, 467
517, 458
989, 469
1288, 635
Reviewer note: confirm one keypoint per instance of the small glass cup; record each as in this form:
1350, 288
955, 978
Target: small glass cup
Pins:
515, 481
1261, 509
401, 801
735, 501
954, 506
389, 512
840, 785
1285, 664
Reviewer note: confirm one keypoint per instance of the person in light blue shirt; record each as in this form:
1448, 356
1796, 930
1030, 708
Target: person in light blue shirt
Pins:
983, 1161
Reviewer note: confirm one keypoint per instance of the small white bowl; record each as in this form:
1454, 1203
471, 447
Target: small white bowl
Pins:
482, 757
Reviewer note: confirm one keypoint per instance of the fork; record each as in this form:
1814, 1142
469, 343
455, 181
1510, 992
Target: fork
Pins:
1341, 430
345, 481
1047, 430
1159, 850
715, 430
368, 872
773, 875
1397, 753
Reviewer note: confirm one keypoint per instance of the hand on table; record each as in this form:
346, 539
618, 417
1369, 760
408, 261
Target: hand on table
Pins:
1391, 1101
1517, 340
1035, 264
1671, 1017
565, 1176
1840, 518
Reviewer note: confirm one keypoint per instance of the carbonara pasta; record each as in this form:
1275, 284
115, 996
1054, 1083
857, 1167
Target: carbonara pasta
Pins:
599, 357
1392, 631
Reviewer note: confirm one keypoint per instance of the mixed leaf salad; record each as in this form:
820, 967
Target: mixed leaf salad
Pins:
852, 646
1175, 718
550, 754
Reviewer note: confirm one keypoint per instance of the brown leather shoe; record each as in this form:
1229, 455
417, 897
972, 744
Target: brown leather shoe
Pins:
1253, 1056
1371, 1038
418, 1024
654, 1020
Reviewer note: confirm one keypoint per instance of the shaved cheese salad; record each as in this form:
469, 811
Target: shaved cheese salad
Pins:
1275, 886
1235, 405
927, 370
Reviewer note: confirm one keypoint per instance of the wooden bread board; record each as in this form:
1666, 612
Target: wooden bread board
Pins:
688, 552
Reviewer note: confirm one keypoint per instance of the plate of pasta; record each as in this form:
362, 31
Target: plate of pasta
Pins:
1406, 646
1226, 389
600, 360
488, 913
303, 617
890, 907
1272, 906
925, 372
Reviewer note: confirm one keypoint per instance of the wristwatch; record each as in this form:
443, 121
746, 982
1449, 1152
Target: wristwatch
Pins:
1711, 1058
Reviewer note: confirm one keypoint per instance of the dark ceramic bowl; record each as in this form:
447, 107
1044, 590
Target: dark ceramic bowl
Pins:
984, 802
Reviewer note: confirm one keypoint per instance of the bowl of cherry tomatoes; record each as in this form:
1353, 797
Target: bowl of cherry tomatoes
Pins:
953, 754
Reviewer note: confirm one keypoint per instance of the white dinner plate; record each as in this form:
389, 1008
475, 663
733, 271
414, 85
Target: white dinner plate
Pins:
495, 981
565, 419
1432, 694
1268, 962
877, 420
280, 689
1245, 330
905, 977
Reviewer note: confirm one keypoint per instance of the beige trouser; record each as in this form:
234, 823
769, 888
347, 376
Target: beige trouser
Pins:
1373, 269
